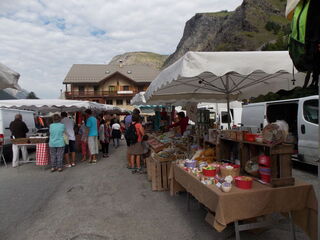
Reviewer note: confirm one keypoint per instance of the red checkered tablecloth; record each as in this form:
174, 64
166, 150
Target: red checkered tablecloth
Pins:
42, 154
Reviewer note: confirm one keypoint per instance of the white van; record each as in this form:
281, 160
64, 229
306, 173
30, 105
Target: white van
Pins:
7, 116
235, 117
219, 112
301, 114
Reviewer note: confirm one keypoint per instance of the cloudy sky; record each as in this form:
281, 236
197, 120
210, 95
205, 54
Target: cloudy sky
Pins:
41, 39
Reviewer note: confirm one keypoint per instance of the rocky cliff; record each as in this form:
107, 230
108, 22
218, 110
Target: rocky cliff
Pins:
152, 59
249, 27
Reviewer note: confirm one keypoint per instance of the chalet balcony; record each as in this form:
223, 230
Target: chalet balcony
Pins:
97, 94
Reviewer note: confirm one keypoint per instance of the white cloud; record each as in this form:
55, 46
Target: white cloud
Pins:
41, 39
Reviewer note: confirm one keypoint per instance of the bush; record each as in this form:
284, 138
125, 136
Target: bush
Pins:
280, 45
272, 26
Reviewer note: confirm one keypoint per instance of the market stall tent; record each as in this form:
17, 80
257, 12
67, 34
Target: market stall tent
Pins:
223, 77
54, 105
219, 75
8, 78
138, 99
291, 5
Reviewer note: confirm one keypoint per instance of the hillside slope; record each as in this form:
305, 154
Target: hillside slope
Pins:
250, 26
152, 59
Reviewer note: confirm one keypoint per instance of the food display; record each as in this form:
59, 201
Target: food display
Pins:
243, 182
191, 163
226, 187
207, 155
156, 145
230, 169
209, 171
252, 168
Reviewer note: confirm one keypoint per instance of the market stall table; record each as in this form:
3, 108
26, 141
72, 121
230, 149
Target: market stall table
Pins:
42, 153
298, 200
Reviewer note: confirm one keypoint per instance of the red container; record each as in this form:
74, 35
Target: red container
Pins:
250, 137
265, 178
265, 160
244, 184
209, 173
265, 170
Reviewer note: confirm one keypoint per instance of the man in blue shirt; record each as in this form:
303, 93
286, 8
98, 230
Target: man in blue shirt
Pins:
92, 136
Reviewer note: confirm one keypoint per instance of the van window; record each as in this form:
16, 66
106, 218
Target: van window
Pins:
310, 111
224, 117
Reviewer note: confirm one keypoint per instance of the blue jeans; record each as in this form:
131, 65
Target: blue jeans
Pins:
116, 142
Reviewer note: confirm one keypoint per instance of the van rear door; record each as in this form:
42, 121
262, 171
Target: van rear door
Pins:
253, 116
308, 129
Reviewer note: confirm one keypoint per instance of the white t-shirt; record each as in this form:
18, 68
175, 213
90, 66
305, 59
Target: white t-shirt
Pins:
116, 126
69, 124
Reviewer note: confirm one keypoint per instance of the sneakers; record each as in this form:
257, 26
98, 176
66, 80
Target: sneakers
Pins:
137, 170
68, 165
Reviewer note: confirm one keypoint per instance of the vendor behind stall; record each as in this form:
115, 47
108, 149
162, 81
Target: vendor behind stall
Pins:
18, 129
182, 123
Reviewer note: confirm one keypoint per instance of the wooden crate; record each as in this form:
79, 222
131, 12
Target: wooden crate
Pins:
149, 174
159, 174
280, 155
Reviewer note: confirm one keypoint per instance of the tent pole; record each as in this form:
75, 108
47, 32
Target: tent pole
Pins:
318, 160
228, 109
228, 102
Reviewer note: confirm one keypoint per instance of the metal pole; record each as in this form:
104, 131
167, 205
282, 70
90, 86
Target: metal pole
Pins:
319, 161
228, 102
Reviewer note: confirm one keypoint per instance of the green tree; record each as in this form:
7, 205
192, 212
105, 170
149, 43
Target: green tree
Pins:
32, 95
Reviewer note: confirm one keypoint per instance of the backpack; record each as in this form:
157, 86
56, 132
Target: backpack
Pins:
131, 135
305, 37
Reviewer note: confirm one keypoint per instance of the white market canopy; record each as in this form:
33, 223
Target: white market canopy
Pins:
291, 5
8, 78
138, 99
54, 105
215, 76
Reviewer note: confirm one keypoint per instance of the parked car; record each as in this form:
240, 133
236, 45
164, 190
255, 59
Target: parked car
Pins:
301, 114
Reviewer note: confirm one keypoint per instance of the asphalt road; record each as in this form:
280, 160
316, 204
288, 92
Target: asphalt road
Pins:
105, 201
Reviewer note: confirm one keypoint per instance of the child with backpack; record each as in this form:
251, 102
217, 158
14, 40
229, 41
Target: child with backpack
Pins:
134, 135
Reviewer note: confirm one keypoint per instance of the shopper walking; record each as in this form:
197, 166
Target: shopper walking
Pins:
116, 133
56, 143
135, 134
92, 136
18, 129
71, 140
84, 131
127, 123
104, 138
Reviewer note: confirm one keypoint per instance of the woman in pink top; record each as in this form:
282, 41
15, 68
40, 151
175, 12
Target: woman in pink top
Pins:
136, 150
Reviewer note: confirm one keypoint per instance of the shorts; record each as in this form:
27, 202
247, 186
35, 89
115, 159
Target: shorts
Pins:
136, 149
71, 147
93, 145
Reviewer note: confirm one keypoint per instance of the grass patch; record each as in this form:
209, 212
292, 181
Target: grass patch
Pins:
218, 14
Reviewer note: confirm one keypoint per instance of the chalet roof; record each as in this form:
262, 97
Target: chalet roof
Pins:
94, 73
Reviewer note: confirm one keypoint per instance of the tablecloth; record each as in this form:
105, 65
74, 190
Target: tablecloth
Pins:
241, 204
42, 154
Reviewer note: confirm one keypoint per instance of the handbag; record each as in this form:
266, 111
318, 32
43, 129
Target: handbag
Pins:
66, 139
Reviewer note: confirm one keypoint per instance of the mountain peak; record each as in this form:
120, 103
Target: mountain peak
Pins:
147, 58
241, 30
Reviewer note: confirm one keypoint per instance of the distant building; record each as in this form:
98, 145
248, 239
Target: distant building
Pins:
113, 84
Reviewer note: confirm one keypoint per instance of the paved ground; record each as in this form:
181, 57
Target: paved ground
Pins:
103, 201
